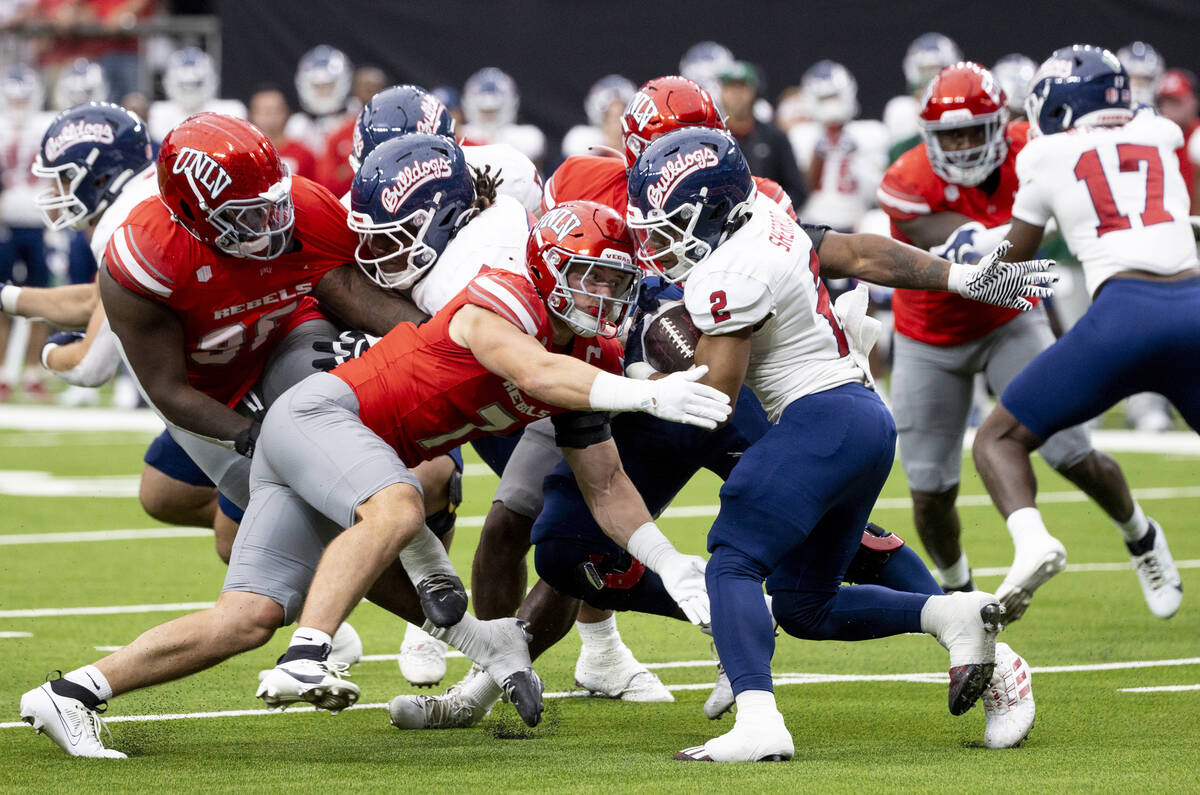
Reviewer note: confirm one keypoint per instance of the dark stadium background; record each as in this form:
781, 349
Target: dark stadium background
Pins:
555, 50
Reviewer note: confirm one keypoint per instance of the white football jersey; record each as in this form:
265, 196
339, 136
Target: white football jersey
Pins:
519, 177
1116, 193
852, 166
20, 142
525, 138
580, 139
495, 238
766, 276
165, 115
140, 187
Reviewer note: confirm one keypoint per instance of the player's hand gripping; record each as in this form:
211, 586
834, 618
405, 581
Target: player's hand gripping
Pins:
1007, 284
678, 398
348, 345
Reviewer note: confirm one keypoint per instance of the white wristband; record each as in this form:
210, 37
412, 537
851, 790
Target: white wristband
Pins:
615, 393
8, 298
958, 273
650, 546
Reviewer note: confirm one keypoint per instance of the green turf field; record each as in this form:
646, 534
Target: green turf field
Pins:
1091, 734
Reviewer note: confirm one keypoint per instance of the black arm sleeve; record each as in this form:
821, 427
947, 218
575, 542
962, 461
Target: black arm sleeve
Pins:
580, 429
816, 233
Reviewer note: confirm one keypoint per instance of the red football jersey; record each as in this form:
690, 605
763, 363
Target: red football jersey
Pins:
909, 190
333, 165
233, 311
299, 158
605, 180
425, 395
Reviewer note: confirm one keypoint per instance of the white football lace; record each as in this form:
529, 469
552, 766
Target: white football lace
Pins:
1152, 568
339, 669
93, 723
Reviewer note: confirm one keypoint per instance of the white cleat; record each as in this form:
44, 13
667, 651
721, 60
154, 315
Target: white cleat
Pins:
73, 726
347, 646
765, 741
1034, 563
1008, 701
618, 674
422, 657
969, 623
1161, 585
462, 706
721, 699
316, 682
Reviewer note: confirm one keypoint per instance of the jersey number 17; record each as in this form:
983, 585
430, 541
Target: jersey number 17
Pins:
1131, 156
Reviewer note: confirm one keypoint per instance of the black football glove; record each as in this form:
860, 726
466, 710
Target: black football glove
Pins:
245, 442
348, 345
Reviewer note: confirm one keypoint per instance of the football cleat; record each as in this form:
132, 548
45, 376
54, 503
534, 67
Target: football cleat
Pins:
1159, 577
507, 661
347, 646
462, 706
443, 599
617, 674
969, 634
318, 682
721, 699
70, 723
1008, 700
1034, 563
422, 657
765, 741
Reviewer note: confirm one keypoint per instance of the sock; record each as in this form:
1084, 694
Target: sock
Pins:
307, 644
1136, 526
1023, 523
90, 679
600, 636
425, 556
755, 705
935, 614
743, 628
956, 574
474, 638
481, 689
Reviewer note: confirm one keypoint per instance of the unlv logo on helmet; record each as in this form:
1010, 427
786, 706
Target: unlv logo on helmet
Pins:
675, 169
562, 221
75, 133
203, 169
642, 109
412, 177
433, 110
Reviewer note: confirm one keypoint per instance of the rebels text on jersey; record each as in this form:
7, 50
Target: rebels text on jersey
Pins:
767, 276
424, 394
910, 189
233, 311
1119, 201
605, 180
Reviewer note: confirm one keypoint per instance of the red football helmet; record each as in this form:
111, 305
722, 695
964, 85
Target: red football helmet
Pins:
964, 96
662, 105
223, 181
576, 249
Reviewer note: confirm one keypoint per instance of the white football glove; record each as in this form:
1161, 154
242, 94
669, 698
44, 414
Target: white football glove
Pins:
1007, 284
682, 575
676, 397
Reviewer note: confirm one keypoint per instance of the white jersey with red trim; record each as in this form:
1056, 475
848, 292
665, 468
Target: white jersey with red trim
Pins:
139, 188
494, 239
1116, 193
852, 159
525, 138
766, 276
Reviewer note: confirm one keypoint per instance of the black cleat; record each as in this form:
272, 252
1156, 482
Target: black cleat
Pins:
443, 599
524, 690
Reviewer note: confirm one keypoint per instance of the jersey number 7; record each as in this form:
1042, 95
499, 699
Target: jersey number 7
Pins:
1090, 171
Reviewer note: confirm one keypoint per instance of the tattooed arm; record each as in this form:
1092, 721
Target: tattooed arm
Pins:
881, 260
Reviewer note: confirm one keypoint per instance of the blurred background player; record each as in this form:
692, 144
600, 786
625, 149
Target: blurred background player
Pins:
1176, 100
703, 63
269, 112
1014, 73
334, 168
191, 85
765, 146
324, 77
22, 236
452, 98
1145, 68
605, 104
1132, 234
83, 81
928, 54
490, 102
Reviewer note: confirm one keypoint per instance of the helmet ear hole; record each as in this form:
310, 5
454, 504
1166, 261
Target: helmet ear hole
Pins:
187, 211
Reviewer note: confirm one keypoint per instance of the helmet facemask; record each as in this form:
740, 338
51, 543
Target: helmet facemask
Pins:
969, 166
396, 255
668, 242
592, 295
258, 228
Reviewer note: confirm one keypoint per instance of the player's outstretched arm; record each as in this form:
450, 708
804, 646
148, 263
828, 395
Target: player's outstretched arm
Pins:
619, 510
152, 339
572, 384
1025, 239
349, 294
70, 305
84, 359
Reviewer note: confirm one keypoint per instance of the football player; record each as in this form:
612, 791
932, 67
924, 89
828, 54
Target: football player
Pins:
605, 104
954, 194
1014, 73
191, 85
1132, 235
489, 103
83, 81
324, 77
928, 54
753, 290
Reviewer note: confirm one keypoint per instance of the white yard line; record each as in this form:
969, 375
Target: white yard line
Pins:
105, 535
56, 418
1161, 689
16, 634
780, 680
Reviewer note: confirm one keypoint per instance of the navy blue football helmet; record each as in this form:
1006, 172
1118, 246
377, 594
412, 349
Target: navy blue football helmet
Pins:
1078, 86
687, 191
394, 112
409, 198
90, 153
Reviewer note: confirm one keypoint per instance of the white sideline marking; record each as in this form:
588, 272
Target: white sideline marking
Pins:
57, 418
450, 655
1160, 689
29, 483
105, 535
16, 634
105, 611
74, 439
780, 679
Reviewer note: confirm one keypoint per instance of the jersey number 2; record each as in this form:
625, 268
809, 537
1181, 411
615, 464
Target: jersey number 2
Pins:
1131, 156
719, 301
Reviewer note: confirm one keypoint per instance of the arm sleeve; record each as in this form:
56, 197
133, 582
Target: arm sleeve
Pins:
816, 233
723, 303
100, 362
580, 429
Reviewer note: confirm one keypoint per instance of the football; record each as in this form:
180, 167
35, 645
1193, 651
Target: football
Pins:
669, 340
